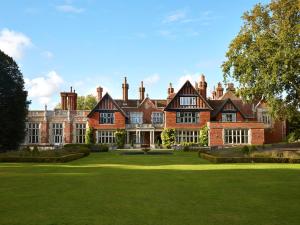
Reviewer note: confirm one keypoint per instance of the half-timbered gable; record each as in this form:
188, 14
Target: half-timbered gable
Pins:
188, 98
107, 114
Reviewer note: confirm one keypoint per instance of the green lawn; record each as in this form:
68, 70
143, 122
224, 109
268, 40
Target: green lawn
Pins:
108, 188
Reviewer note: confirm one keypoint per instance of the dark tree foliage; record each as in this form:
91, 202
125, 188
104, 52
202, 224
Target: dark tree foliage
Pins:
264, 57
13, 104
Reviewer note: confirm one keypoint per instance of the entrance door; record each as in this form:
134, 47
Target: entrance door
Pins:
146, 138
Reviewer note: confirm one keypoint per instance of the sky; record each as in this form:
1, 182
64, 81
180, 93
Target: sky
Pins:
91, 43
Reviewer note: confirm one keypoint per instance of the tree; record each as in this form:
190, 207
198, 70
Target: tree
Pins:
168, 137
86, 102
89, 135
13, 104
120, 136
83, 102
203, 136
264, 57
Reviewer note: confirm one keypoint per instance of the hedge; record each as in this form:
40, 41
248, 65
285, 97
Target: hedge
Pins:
59, 159
216, 159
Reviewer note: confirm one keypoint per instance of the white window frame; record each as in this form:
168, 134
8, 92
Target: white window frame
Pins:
228, 117
107, 118
57, 133
236, 136
106, 136
33, 132
187, 117
157, 117
80, 129
188, 101
190, 136
136, 117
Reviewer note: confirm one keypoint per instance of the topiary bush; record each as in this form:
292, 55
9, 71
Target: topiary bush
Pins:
203, 136
168, 137
89, 136
120, 137
245, 149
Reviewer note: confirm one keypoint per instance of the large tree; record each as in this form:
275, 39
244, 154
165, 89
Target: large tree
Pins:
13, 104
86, 102
264, 57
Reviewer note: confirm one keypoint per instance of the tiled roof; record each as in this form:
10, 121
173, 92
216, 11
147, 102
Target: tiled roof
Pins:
134, 103
244, 108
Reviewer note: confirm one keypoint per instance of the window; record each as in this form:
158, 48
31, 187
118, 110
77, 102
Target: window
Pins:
80, 133
106, 137
33, 133
107, 118
187, 136
228, 117
188, 102
265, 118
235, 136
157, 117
57, 133
136, 117
187, 117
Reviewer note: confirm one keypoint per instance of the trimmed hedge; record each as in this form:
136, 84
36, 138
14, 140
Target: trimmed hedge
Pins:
89, 147
215, 159
58, 159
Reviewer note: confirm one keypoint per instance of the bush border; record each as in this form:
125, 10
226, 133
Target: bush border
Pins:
56, 159
215, 159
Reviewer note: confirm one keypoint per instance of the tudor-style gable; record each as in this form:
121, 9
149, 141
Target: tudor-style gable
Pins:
187, 98
107, 114
107, 104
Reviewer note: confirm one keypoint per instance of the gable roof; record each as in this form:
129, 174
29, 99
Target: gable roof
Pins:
229, 94
111, 99
147, 99
244, 108
185, 84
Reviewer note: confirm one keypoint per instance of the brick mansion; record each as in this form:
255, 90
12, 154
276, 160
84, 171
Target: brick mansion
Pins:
229, 119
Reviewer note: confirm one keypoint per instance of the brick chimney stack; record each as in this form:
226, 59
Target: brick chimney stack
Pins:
202, 86
170, 89
230, 87
125, 87
69, 100
99, 93
142, 91
219, 90
214, 93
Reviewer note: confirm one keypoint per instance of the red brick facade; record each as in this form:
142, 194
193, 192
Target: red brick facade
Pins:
229, 119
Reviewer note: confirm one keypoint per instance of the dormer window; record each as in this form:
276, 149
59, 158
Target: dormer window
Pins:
188, 102
228, 117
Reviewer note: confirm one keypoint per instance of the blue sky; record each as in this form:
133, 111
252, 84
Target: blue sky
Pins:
87, 43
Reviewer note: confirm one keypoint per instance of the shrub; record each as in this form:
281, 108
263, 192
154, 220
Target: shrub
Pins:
203, 136
294, 136
35, 150
120, 136
245, 149
168, 137
76, 148
100, 148
186, 146
252, 148
89, 136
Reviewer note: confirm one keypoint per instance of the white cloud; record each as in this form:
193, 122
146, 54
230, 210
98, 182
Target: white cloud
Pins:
47, 54
152, 79
68, 8
13, 43
175, 16
43, 88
